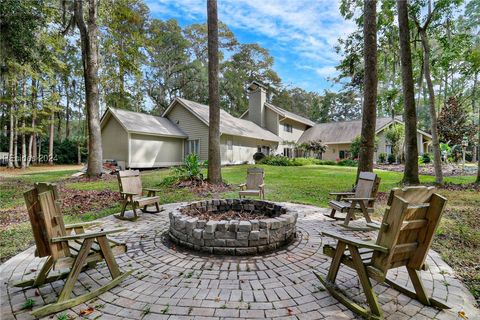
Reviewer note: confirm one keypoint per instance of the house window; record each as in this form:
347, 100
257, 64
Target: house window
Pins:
288, 152
192, 146
389, 149
343, 154
287, 127
264, 149
229, 145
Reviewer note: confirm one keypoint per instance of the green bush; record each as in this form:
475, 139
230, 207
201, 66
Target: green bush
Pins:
347, 163
279, 161
191, 168
391, 158
382, 157
258, 156
304, 161
64, 152
426, 158
325, 162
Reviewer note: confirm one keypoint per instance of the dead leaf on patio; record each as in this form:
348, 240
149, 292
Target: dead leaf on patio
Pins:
86, 312
217, 299
462, 314
37, 293
290, 311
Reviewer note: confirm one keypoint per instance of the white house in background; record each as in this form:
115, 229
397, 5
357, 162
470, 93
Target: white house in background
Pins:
338, 136
140, 140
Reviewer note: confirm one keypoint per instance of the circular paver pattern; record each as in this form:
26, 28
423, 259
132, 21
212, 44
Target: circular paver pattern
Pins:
172, 283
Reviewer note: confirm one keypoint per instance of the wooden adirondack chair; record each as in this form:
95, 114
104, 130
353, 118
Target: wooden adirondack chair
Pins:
404, 239
362, 200
133, 194
67, 246
255, 184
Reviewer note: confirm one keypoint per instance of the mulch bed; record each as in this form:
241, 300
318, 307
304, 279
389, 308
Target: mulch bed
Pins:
449, 169
227, 215
203, 188
74, 202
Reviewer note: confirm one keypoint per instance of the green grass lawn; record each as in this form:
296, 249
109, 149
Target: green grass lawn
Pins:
458, 237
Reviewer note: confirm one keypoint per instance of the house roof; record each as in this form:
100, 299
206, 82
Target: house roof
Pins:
136, 122
228, 123
286, 114
344, 132
290, 115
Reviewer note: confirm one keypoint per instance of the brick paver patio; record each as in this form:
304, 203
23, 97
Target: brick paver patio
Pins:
172, 283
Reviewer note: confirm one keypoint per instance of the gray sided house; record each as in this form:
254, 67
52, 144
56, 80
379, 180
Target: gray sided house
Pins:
145, 141
338, 136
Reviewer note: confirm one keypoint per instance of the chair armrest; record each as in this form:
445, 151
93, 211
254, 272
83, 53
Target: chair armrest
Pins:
129, 193
355, 241
342, 193
242, 185
82, 225
151, 189
359, 199
88, 235
261, 186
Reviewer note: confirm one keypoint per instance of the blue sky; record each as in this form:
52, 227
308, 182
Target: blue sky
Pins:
299, 34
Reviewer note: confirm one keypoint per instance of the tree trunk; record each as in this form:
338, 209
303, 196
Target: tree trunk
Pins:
23, 161
12, 132
214, 160
370, 83
32, 152
433, 113
67, 114
410, 174
478, 140
89, 41
50, 138
15, 144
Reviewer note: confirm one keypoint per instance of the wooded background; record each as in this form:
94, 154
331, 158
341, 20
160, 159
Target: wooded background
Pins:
145, 62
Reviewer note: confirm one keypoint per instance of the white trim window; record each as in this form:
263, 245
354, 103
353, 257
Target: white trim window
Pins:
192, 146
288, 152
287, 127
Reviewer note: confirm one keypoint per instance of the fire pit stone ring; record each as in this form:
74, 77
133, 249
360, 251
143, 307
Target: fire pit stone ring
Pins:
196, 226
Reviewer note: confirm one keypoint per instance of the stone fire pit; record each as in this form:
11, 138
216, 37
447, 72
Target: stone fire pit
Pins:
197, 226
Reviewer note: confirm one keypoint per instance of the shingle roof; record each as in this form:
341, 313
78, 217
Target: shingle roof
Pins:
339, 132
145, 123
290, 115
230, 124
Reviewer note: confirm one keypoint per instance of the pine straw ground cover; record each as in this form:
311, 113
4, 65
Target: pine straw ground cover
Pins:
457, 238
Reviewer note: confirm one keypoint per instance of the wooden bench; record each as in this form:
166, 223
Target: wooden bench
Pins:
133, 194
67, 246
403, 240
255, 185
361, 200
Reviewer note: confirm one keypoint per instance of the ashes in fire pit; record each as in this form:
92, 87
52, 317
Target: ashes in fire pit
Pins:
233, 226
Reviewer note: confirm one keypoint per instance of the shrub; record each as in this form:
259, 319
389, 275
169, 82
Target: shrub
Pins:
325, 162
382, 157
348, 163
258, 156
278, 161
304, 161
191, 169
391, 158
426, 158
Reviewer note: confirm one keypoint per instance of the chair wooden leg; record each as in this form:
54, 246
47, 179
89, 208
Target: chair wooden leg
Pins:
350, 215
75, 271
332, 213
365, 281
418, 286
364, 209
42, 275
337, 259
109, 258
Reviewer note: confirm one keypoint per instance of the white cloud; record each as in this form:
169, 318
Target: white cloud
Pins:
308, 29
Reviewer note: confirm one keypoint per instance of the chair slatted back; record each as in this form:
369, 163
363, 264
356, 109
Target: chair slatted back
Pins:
54, 225
255, 177
415, 195
407, 230
367, 186
130, 181
36, 217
